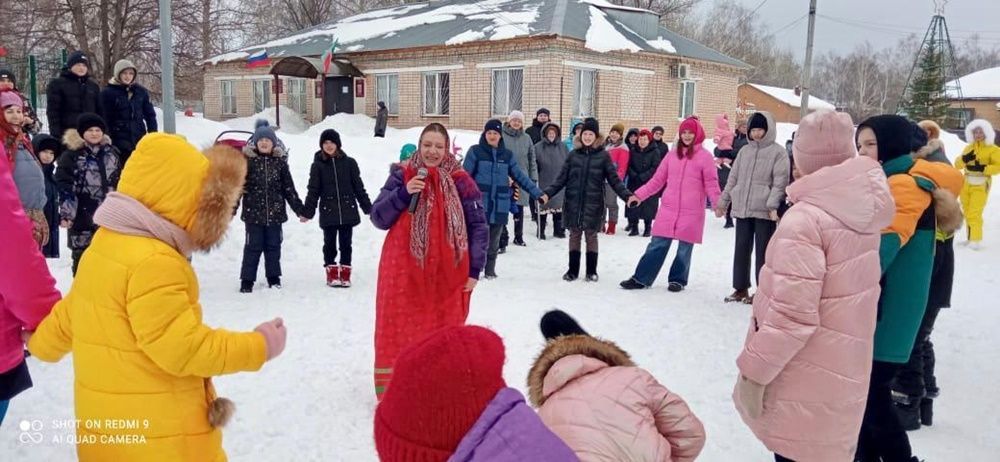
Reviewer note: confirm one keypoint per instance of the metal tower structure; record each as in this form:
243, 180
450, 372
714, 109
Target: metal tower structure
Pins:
937, 41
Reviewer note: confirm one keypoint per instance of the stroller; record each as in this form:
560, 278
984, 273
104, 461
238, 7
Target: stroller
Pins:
238, 139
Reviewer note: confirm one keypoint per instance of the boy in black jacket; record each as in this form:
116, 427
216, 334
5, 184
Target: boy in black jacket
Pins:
269, 185
335, 184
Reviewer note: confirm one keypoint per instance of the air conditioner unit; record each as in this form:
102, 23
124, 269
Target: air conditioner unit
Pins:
682, 71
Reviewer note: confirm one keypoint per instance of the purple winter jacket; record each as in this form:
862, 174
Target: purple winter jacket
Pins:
393, 200
510, 431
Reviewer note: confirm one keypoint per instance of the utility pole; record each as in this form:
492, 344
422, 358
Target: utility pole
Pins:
807, 67
167, 69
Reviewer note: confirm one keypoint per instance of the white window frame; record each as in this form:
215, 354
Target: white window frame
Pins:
437, 99
298, 97
261, 95
227, 99
579, 93
683, 96
508, 104
387, 86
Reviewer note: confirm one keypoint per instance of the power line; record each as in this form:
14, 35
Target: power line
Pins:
898, 30
790, 25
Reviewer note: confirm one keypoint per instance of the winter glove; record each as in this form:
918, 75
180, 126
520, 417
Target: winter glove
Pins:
975, 167
969, 157
750, 397
274, 333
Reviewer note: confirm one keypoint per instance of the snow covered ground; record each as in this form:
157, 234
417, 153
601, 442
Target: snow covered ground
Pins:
316, 401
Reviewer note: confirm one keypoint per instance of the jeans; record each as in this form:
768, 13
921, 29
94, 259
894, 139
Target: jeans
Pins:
262, 239
330, 242
656, 254
882, 436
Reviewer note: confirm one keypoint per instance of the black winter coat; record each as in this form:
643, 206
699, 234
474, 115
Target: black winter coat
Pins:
269, 185
68, 96
84, 179
642, 164
129, 115
335, 184
583, 176
535, 131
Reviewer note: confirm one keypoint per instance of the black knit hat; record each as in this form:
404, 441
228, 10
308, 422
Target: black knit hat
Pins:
77, 57
657, 128
329, 135
590, 125
893, 133
542, 111
557, 323
757, 120
9, 75
89, 120
493, 125
42, 142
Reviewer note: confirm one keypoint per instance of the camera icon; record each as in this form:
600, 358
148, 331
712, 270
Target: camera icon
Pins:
31, 431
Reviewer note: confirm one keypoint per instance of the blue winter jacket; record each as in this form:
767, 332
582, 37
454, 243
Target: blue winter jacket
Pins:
491, 167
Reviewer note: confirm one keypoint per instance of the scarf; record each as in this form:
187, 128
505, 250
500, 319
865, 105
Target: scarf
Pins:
431, 196
123, 214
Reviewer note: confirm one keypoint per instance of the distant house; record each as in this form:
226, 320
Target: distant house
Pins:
783, 103
979, 99
461, 62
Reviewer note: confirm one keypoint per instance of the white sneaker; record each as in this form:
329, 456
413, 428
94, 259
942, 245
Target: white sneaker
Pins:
976, 246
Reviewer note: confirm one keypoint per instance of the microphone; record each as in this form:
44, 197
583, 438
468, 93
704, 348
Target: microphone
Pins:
421, 173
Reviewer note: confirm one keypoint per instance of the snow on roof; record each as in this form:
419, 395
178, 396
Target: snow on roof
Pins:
603, 37
981, 84
788, 96
467, 36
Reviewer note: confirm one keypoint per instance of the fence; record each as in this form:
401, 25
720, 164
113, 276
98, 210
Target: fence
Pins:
33, 73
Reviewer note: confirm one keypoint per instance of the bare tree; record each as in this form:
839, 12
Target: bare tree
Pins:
670, 11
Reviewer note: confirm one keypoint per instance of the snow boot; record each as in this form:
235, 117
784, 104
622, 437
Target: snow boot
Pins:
591, 266
729, 224
611, 227
675, 287
631, 284
647, 229
927, 412
543, 219
246, 287
574, 266
519, 241
274, 283
738, 296
908, 411
558, 231
345, 276
633, 229
332, 275
491, 268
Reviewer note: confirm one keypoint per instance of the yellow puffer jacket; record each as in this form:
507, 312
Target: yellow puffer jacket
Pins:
986, 151
142, 356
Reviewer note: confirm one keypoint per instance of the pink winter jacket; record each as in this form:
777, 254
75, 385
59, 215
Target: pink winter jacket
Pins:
723, 133
606, 409
688, 181
27, 290
810, 339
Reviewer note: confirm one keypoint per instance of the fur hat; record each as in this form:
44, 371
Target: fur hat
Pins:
440, 387
893, 133
89, 120
618, 127
932, 128
590, 124
557, 323
493, 125
330, 135
542, 111
262, 129
43, 142
823, 140
10, 98
516, 115
77, 57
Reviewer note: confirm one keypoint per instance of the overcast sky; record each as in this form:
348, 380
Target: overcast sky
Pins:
881, 22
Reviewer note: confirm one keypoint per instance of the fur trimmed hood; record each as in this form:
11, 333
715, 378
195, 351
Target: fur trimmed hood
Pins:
251, 151
598, 142
987, 129
561, 347
74, 141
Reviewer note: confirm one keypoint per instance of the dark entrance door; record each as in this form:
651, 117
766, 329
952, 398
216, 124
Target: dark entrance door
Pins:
338, 95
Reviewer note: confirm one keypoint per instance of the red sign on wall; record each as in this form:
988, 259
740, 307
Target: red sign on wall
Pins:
359, 88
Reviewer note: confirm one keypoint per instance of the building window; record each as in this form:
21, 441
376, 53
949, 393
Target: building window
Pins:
436, 90
507, 90
387, 90
297, 99
228, 97
261, 95
960, 117
584, 92
687, 99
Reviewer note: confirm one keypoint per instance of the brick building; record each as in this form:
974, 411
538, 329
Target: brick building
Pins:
782, 103
980, 98
461, 62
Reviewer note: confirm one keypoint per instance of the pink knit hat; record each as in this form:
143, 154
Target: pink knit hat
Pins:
10, 98
824, 139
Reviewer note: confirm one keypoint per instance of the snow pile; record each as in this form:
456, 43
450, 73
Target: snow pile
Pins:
291, 121
662, 44
603, 37
788, 96
982, 84
467, 36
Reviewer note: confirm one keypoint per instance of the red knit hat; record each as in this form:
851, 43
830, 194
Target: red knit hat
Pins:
692, 124
439, 388
645, 132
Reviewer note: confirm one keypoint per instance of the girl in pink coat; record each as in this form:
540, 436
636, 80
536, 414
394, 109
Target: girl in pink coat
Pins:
590, 394
805, 366
27, 290
689, 175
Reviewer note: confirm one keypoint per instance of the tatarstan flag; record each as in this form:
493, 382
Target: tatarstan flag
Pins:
328, 56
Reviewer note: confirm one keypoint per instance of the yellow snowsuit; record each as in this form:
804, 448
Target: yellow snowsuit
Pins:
977, 183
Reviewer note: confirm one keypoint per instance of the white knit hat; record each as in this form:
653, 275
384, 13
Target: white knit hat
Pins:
516, 115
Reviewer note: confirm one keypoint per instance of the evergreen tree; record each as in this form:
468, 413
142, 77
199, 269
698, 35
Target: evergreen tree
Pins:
926, 99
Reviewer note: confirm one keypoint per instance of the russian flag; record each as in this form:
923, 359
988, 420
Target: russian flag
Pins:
258, 59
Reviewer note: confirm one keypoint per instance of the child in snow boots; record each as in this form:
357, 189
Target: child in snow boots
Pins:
48, 149
86, 173
981, 161
26, 169
584, 175
268, 187
602, 405
335, 184
448, 402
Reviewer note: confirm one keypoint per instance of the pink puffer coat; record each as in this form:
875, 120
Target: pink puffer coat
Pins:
606, 409
810, 339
